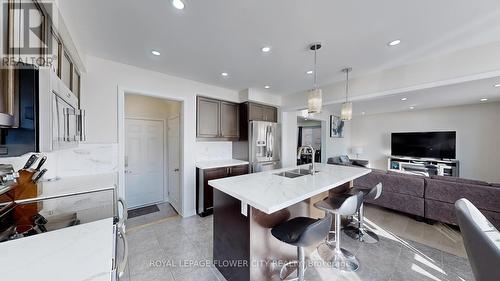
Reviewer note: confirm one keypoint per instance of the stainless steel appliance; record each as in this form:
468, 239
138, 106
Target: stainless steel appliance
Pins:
58, 211
263, 148
46, 114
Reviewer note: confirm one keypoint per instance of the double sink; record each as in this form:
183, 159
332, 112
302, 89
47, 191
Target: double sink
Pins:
295, 173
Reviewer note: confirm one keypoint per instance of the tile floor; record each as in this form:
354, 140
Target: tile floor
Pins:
166, 210
436, 235
161, 249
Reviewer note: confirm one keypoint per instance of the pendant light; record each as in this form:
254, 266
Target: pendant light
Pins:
315, 95
346, 112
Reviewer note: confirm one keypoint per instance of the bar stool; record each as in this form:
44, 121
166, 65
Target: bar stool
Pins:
301, 232
341, 205
359, 231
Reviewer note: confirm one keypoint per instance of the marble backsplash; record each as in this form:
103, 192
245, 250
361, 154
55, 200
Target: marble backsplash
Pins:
86, 159
206, 151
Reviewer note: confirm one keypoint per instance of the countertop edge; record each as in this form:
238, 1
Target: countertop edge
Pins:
296, 200
217, 165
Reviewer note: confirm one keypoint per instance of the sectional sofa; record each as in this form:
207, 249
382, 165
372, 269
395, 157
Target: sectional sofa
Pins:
433, 197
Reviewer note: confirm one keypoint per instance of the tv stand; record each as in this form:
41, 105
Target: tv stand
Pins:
424, 166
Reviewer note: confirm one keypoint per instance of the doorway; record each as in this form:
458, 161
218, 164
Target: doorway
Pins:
152, 152
309, 133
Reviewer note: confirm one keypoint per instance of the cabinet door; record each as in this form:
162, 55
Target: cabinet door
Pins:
208, 123
208, 192
229, 120
239, 170
255, 112
76, 84
270, 114
56, 48
66, 70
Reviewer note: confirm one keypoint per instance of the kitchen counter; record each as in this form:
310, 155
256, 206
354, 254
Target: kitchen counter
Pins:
220, 163
77, 184
251, 205
82, 252
269, 192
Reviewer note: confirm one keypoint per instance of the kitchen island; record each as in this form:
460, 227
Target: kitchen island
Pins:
247, 207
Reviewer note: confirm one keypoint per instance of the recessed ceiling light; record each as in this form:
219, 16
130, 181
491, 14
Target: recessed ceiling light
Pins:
178, 4
394, 43
310, 72
156, 53
484, 99
267, 87
412, 107
363, 113
266, 49
224, 74
404, 99
496, 85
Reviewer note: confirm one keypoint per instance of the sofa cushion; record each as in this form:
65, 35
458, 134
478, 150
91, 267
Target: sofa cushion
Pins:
397, 183
445, 212
460, 180
400, 202
484, 197
406, 174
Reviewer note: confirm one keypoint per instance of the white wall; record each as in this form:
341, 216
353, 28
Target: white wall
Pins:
138, 106
105, 79
478, 135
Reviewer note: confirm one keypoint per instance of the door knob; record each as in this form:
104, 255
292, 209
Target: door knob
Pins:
176, 170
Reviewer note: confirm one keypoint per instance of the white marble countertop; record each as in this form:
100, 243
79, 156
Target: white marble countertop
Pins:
220, 163
270, 193
75, 184
82, 252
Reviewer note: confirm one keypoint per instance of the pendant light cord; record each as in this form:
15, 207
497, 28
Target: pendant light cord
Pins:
315, 71
347, 86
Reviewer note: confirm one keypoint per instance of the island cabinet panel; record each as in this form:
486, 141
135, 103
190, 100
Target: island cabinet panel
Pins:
204, 194
231, 238
217, 120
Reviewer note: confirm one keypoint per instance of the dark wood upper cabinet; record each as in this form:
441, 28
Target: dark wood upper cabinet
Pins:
270, 114
216, 120
207, 118
229, 120
259, 112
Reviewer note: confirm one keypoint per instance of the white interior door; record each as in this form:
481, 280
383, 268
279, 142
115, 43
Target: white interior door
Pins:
144, 162
174, 188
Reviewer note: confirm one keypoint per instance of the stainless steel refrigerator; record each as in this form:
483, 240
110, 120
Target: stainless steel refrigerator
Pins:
263, 147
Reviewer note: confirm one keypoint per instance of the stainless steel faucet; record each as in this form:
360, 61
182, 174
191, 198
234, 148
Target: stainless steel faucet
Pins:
312, 168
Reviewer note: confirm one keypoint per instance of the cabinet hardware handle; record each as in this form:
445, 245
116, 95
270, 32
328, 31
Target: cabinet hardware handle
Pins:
121, 267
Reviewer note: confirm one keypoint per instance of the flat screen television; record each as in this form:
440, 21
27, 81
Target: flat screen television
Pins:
440, 145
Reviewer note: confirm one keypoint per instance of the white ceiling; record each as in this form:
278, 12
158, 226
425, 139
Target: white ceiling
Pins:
210, 37
451, 95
